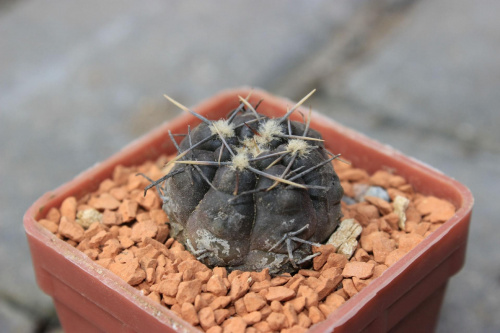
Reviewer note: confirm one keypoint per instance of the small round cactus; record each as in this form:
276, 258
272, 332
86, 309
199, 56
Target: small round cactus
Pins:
250, 192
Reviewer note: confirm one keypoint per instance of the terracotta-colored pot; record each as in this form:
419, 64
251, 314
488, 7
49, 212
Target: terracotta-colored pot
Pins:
407, 297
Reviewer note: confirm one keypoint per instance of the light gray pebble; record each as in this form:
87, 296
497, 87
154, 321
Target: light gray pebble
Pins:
363, 190
379, 192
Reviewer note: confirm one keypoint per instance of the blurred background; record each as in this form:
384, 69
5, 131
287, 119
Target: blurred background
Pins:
79, 80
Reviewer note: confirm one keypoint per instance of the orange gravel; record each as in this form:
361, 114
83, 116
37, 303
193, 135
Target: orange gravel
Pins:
128, 234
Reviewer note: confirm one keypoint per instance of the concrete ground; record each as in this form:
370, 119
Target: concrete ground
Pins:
79, 80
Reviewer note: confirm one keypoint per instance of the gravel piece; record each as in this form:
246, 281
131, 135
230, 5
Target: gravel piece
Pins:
360, 270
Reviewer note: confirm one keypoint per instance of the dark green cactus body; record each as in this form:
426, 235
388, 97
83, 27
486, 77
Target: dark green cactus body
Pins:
236, 214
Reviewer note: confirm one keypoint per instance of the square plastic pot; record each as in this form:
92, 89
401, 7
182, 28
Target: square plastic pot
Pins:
407, 297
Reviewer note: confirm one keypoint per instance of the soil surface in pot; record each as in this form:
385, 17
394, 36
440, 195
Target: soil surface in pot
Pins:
128, 233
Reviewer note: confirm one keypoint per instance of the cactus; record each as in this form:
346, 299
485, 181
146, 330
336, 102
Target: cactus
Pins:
250, 192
